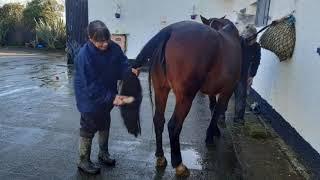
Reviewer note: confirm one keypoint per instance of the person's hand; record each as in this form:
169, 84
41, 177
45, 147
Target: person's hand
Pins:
135, 71
250, 80
122, 100
118, 100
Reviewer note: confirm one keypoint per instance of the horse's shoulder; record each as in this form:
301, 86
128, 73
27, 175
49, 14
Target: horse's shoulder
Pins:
187, 24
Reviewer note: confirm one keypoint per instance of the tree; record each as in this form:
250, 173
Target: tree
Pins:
48, 11
10, 16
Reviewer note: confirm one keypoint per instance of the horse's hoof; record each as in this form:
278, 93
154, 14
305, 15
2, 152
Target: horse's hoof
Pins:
161, 162
182, 171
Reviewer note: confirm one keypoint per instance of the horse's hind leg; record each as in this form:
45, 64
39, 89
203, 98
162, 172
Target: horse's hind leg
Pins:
213, 103
221, 107
182, 108
161, 96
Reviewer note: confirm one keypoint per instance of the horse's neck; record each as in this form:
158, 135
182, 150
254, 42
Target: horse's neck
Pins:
231, 30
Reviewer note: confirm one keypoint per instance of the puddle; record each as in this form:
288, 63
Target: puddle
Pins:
190, 157
17, 90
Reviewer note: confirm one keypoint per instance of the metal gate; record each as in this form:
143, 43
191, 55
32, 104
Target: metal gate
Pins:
76, 24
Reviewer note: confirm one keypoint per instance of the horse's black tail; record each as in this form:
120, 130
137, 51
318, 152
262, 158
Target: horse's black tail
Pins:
153, 45
154, 53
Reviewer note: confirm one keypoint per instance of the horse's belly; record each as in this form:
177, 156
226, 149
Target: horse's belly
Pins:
210, 87
215, 83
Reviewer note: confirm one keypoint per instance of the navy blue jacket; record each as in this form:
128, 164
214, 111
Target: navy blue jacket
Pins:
96, 75
251, 55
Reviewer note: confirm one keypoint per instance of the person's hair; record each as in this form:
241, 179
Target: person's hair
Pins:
98, 31
249, 30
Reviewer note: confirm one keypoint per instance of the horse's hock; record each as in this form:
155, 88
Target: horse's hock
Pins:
280, 38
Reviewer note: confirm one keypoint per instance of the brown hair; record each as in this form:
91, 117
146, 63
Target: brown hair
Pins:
98, 31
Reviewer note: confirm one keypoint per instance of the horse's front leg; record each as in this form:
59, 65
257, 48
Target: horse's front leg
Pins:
182, 108
161, 97
212, 106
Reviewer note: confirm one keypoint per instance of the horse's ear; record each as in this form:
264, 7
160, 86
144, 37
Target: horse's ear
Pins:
223, 17
205, 20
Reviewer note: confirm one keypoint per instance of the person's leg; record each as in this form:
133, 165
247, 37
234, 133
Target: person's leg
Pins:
240, 101
103, 138
87, 131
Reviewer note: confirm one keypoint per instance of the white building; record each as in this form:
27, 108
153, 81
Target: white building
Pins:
141, 19
292, 87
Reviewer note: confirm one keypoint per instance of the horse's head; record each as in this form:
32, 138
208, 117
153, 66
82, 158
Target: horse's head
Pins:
221, 24
130, 113
216, 23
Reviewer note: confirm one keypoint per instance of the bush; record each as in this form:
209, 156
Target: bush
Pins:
53, 35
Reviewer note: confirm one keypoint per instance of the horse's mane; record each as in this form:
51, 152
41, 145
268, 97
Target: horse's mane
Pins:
229, 27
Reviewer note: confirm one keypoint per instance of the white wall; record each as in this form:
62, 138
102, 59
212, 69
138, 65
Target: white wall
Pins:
292, 87
141, 19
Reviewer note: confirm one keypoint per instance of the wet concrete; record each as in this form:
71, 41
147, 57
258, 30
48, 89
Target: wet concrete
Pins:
39, 129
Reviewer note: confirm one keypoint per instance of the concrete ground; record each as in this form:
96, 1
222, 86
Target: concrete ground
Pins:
39, 127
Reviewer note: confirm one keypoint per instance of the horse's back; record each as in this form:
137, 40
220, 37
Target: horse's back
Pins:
189, 53
200, 57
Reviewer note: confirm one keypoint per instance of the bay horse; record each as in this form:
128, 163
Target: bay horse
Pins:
187, 57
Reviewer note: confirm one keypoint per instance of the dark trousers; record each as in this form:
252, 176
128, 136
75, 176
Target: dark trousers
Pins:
240, 95
91, 122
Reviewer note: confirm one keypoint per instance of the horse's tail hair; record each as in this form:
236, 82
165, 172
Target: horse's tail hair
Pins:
154, 52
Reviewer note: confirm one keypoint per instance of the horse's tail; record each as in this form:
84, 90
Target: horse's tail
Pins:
154, 52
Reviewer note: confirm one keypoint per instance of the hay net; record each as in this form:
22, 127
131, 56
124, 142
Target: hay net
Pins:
280, 37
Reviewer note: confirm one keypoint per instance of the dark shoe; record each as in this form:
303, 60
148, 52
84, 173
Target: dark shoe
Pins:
88, 167
104, 155
85, 163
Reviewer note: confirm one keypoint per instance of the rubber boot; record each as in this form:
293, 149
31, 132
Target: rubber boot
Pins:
85, 163
104, 155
